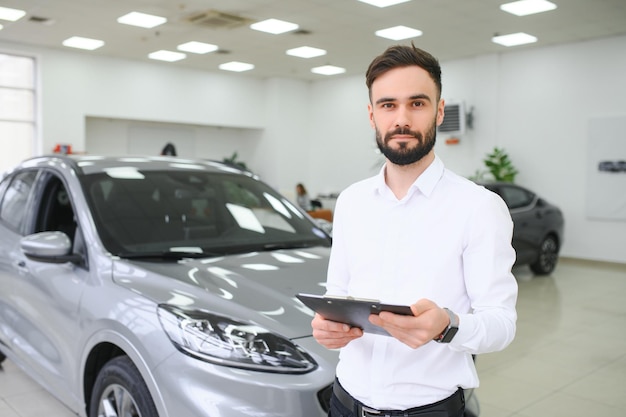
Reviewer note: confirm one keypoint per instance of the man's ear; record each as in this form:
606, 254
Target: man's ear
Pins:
440, 111
371, 115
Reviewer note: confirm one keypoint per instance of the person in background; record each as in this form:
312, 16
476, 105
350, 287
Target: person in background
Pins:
420, 235
302, 197
169, 149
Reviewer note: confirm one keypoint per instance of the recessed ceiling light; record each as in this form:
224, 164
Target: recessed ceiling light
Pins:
236, 66
142, 20
169, 56
306, 52
514, 39
397, 33
197, 47
526, 7
274, 26
83, 43
383, 3
11, 14
328, 70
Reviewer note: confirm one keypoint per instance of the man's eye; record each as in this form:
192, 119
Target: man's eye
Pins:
418, 104
387, 105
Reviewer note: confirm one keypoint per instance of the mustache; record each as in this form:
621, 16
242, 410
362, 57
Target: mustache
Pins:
403, 131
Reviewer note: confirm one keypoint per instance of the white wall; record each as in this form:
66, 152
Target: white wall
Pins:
283, 154
106, 136
535, 103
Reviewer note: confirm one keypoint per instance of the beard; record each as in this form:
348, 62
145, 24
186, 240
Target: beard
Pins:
405, 154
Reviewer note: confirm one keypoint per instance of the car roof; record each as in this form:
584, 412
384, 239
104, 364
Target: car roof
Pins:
93, 164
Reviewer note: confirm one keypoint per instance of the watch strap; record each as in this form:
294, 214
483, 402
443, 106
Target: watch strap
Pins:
449, 332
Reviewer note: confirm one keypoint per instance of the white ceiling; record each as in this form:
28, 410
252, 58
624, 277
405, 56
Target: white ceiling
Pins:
345, 28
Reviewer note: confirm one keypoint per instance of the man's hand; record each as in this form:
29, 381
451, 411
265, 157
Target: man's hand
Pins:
427, 322
333, 335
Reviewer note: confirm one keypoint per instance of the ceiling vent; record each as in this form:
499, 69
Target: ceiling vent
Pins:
214, 19
453, 119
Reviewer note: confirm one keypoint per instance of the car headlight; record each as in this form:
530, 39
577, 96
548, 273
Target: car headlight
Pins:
224, 341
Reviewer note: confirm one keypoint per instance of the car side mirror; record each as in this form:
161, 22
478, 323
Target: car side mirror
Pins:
51, 247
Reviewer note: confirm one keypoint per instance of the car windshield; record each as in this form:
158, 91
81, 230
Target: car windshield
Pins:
171, 214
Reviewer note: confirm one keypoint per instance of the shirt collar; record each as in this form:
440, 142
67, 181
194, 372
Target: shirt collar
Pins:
429, 179
425, 183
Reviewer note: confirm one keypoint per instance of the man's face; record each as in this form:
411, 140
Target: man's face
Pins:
405, 113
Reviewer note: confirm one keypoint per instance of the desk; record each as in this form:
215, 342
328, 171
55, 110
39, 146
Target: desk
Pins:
325, 214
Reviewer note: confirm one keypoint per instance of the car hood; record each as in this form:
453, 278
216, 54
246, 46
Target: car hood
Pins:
258, 287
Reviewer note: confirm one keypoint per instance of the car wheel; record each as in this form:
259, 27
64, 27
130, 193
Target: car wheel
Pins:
2, 357
120, 391
548, 257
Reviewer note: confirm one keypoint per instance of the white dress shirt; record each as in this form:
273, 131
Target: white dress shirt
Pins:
447, 240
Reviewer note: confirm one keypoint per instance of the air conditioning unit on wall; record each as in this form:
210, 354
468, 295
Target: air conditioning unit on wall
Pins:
453, 119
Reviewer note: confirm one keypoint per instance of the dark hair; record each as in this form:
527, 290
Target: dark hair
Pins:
301, 187
403, 56
169, 149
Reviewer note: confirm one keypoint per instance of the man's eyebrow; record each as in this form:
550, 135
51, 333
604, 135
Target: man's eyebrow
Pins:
420, 97
413, 97
385, 100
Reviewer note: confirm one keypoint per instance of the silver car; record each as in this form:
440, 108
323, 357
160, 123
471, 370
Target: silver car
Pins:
161, 287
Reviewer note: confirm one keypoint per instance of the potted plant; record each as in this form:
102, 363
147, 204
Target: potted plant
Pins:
235, 162
499, 166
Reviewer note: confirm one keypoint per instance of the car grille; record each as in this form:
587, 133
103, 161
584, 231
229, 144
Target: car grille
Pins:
323, 397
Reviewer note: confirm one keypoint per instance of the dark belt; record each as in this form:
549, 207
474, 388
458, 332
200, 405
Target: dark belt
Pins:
446, 407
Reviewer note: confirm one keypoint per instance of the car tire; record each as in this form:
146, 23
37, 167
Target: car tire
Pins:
121, 391
548, 257
2, 357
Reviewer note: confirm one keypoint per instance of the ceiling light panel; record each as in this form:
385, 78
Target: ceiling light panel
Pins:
306, 52
83, 43
398, 33
526, 7
11, 15
169, 56
197, 47
236, 66
383, 3
514, 39
274, 26
328, 70
142, 20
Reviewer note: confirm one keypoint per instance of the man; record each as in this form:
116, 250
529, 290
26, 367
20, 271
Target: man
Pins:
420, 235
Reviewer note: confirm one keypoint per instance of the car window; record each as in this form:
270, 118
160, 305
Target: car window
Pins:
219, 213
55, 210
516, 197
15, 198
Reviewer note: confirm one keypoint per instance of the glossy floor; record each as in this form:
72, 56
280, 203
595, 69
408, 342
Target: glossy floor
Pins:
568, 359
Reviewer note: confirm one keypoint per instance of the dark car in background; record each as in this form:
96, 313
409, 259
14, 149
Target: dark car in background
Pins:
538, 226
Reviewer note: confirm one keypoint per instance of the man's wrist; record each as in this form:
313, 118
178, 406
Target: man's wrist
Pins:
448, 333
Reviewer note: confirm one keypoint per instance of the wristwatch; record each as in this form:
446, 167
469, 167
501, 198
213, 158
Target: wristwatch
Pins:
448, 334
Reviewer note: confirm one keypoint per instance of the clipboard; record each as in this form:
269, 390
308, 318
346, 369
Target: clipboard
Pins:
351, 310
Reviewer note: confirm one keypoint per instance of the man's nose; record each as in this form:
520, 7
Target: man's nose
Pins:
403, 119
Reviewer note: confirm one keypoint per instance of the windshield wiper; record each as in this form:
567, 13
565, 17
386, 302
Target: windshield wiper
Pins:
288, 245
